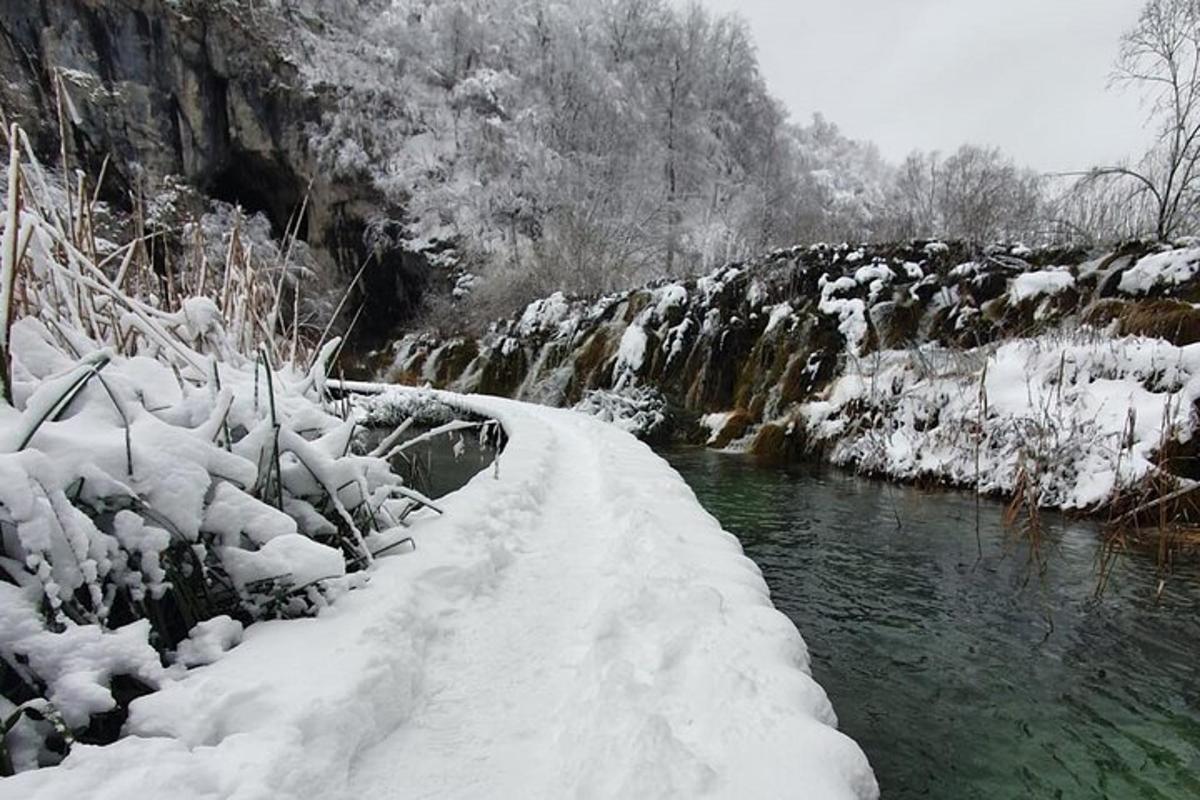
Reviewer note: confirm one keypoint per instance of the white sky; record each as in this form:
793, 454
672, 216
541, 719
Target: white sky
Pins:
1029, 76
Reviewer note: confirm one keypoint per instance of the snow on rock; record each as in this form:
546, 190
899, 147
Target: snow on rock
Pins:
851, 312
668, 297
1048, 282
777, 315
1161, 271
576, 625
715, 423
545, 315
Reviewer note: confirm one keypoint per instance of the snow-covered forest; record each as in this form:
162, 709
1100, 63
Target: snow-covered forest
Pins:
592, 146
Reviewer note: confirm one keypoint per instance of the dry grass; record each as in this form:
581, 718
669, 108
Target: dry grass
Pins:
770, 445
1171, 320
61, 272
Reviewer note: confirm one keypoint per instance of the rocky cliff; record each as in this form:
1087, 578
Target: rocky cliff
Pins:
209, 92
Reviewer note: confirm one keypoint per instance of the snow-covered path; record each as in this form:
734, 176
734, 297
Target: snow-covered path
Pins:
576, 625
501, 676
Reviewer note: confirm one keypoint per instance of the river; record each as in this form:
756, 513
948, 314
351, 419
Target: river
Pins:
961, 669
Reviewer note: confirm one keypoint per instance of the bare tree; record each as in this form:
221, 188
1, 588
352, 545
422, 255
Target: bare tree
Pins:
983, 196
916, 196
1161, 55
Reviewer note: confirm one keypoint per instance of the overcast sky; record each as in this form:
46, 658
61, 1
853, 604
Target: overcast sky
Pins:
1027, 75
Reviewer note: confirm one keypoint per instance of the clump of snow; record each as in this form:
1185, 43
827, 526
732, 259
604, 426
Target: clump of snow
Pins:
631, 354
544, 316
667, 298
1049, 282
756, 294
778, 314
293, 560
208, 641
1161, 271
76, 662
715, 423
965, 269
851, 313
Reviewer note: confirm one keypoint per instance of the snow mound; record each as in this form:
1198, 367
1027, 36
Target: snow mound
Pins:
1029, 285
208, 641
1161, 271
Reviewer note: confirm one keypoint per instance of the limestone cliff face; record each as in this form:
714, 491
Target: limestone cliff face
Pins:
201, 89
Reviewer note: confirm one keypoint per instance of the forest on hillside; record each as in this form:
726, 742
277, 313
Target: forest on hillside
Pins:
591, 146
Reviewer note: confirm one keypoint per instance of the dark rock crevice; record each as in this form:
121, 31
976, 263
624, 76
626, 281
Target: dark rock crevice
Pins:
192, 89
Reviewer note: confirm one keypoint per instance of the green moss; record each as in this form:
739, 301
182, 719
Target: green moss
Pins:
591, 358
770, 445
501, 374
735, 428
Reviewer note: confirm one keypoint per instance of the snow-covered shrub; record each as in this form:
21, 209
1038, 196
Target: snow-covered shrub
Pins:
170, 469
639, 410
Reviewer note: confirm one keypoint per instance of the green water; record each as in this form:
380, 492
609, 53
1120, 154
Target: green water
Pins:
964, 676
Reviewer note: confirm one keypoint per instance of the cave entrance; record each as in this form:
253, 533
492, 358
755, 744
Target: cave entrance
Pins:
265, 185
393, 280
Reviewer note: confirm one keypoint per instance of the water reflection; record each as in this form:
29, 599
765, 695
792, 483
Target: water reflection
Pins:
962, 671
441, 465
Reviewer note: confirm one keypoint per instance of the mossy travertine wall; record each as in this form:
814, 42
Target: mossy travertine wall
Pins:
762, 336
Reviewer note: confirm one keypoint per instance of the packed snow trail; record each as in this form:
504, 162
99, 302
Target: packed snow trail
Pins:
576, 625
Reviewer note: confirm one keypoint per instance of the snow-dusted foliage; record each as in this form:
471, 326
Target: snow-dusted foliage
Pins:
577, 145
1078, 420
641, 411
170, 469
978, 194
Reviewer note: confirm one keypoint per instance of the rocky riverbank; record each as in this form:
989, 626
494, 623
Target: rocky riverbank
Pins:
1065, 376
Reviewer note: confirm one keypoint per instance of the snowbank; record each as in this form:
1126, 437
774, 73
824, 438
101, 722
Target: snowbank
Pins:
1080, 417
574, 626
